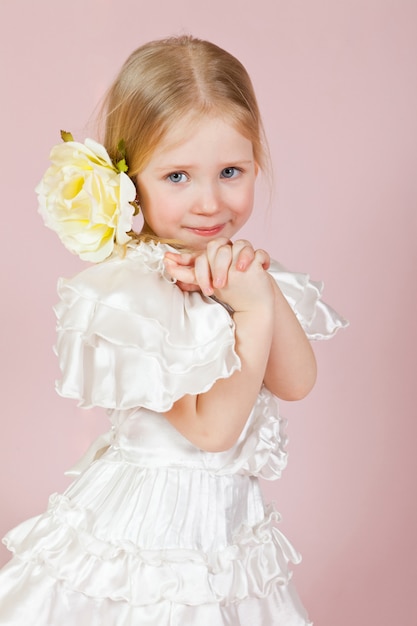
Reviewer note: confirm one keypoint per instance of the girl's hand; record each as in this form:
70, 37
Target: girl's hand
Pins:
245, 291
194, 272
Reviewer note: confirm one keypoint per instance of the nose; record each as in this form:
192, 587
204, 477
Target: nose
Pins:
207, 200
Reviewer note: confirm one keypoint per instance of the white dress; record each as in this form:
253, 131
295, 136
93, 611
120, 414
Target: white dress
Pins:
154, 531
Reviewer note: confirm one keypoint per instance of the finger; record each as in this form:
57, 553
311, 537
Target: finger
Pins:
218, 253
181, 258
187, 286
243, 254
185, 274
203, 274
214, 245
262, 257
220, 266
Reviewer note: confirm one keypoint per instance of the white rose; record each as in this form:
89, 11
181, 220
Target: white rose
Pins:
86, 200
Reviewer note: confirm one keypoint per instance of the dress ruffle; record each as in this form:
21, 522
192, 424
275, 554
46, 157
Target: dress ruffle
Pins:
261, 448
317, 318
65, 543
48, 601
128, 337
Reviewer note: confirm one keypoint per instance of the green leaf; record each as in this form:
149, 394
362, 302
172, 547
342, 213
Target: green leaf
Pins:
121, 147
66, 136
121, 165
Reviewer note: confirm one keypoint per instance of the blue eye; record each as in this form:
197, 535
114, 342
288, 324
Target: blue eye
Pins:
177, 177
229, 172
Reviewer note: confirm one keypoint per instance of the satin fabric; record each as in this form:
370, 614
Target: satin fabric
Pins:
154, 530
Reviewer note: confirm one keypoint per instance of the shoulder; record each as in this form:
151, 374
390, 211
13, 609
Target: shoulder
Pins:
118, 280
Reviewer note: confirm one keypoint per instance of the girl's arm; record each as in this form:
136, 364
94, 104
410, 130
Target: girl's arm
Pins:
214, 420
291, 369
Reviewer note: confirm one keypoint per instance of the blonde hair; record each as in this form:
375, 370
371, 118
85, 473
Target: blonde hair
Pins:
165, 80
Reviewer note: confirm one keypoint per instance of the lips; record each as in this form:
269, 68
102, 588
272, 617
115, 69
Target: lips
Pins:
206, 231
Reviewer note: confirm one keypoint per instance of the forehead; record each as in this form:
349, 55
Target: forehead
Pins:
209, 133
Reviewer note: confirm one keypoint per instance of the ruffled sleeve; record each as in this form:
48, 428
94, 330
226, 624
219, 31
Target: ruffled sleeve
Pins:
129, 337
317, 318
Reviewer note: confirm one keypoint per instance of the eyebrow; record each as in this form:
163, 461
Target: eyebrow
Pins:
230, 163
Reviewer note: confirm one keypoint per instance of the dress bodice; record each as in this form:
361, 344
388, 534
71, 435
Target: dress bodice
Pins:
145, 438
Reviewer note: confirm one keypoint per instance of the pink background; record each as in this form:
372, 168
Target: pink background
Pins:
336, 81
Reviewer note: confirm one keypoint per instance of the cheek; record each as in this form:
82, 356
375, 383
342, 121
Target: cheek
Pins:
244, 204
161, 211
148, 198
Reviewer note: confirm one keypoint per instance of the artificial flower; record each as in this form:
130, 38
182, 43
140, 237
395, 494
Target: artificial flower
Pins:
86, 199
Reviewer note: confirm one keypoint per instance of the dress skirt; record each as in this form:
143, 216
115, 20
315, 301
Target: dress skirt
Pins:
154, 532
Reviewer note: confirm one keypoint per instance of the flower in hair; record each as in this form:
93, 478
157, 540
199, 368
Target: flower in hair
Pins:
87, 199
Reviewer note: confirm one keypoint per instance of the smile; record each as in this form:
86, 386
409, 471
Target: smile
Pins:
206, 232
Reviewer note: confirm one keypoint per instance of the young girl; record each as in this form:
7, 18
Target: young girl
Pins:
185, 335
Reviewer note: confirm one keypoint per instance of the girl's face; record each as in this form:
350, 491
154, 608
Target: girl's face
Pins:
199, 183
